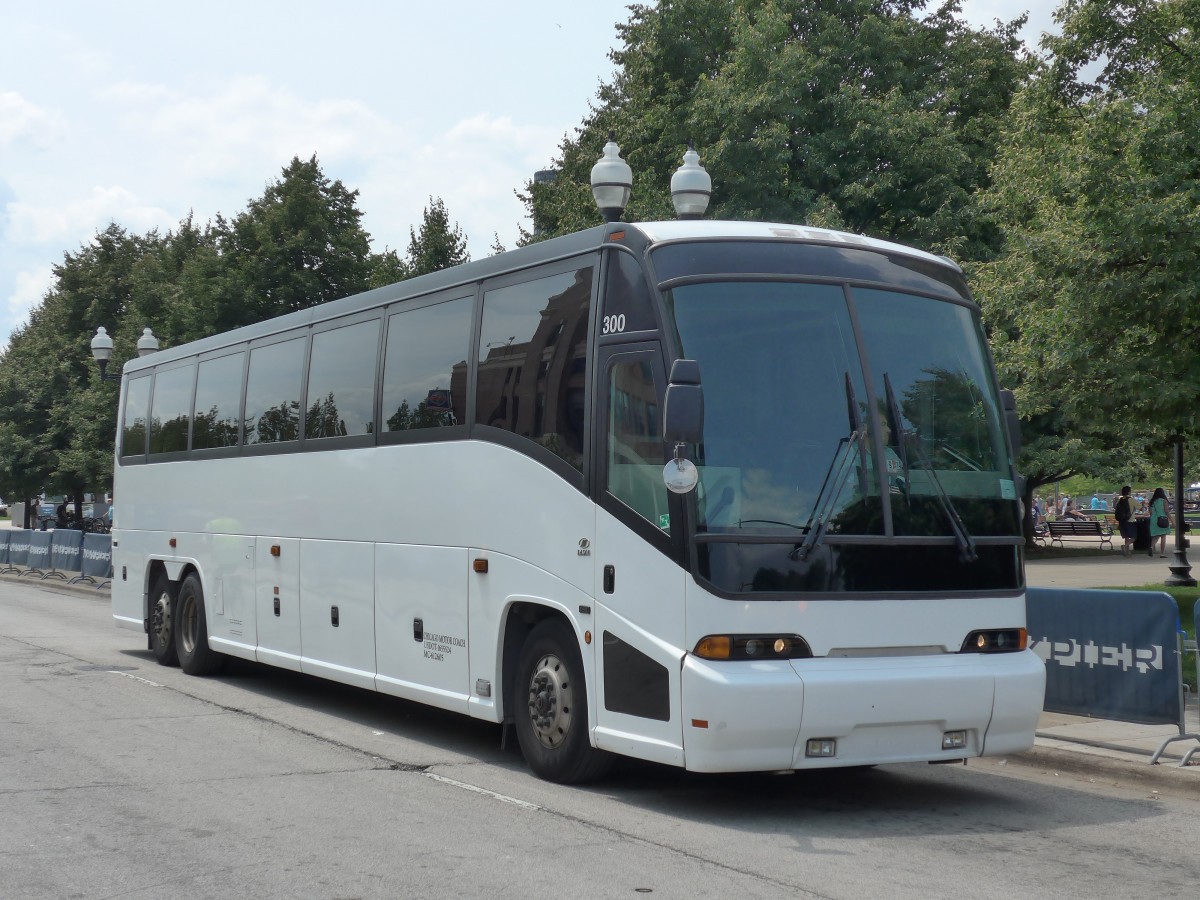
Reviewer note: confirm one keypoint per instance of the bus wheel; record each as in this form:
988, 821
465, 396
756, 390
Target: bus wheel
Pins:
191, 631
551, 708
163, 606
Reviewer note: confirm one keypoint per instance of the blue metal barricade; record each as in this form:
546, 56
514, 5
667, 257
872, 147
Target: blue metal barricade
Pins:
66, 550
38, 560
18, 550
95, 560
1111, 654
5, 534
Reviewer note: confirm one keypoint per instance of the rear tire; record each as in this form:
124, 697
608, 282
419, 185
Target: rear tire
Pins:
163, 606
191, 631
551, 708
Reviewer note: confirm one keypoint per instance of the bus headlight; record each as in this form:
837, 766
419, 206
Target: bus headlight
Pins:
998, 640
752, 646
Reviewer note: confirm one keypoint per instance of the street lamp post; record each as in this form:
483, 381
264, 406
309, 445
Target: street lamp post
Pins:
102, 348
1181, 570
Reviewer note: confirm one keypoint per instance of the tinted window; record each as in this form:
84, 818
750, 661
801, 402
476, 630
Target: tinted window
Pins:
635, 447
218, 401
171, 409
792, 258
533, 361
273, 392
626, 299
137, 413
425, 367
341, 381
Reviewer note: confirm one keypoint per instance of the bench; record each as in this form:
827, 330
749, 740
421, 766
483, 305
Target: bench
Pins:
1078, 528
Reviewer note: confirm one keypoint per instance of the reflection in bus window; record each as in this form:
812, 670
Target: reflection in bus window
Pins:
273, 392
341, 381
425, 366
218, 400
137, 412
635, 447
171, 410
533, 361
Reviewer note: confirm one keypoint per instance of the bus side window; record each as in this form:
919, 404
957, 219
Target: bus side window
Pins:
533, 361
341, 381
273, 392
218, 402
635, 448
137, 414
171, 409
425, 365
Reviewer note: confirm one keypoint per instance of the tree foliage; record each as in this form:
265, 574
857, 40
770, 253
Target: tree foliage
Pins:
866, 115
436, 245
299, 244
1095, 299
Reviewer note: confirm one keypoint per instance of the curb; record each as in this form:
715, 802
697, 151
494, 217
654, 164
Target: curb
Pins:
1165, 778
81, 589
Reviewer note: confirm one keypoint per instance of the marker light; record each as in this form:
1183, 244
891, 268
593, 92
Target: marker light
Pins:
820, 747
752, 646
999, 640
954, 740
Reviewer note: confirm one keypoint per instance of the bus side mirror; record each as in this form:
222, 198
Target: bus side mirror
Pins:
1011, 419
683, 407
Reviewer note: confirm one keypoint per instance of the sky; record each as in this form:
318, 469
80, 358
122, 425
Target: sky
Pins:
140, 113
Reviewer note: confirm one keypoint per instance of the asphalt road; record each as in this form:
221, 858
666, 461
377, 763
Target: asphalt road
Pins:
120, 778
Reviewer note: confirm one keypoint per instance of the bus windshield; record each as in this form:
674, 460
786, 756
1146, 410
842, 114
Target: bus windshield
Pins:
862, 412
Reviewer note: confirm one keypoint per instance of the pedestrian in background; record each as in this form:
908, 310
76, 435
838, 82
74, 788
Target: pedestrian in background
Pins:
1160, 522
1125, 522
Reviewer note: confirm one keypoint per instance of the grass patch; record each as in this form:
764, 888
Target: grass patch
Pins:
1185, 598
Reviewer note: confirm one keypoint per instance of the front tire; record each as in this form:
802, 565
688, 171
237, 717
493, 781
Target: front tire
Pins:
551, 708
191, 631
163, 606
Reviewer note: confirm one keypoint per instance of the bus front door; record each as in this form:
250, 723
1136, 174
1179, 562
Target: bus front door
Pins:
639, 620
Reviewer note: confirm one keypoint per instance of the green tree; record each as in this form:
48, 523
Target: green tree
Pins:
298, 245
1095, 301
437, 245
859, 114
58, 428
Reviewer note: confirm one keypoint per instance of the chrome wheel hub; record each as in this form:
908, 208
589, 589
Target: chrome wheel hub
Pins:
550, 701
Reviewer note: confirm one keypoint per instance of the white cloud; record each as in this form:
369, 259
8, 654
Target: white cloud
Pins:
29, 289
22, 120
66, 224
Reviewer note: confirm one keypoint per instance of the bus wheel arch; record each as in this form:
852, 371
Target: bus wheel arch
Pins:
161, 610
549, 704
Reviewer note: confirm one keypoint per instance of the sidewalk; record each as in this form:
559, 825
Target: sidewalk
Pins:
1118, 751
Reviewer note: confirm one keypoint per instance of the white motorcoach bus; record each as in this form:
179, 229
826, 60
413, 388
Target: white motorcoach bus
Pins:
454, 490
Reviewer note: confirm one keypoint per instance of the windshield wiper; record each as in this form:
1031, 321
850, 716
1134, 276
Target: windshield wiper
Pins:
897, 431
835, 480
966, 543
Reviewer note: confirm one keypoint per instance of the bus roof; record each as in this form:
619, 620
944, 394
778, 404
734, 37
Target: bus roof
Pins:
532, 255
705, 229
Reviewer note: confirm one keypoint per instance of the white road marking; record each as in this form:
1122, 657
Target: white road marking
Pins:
478, 790
135, 678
